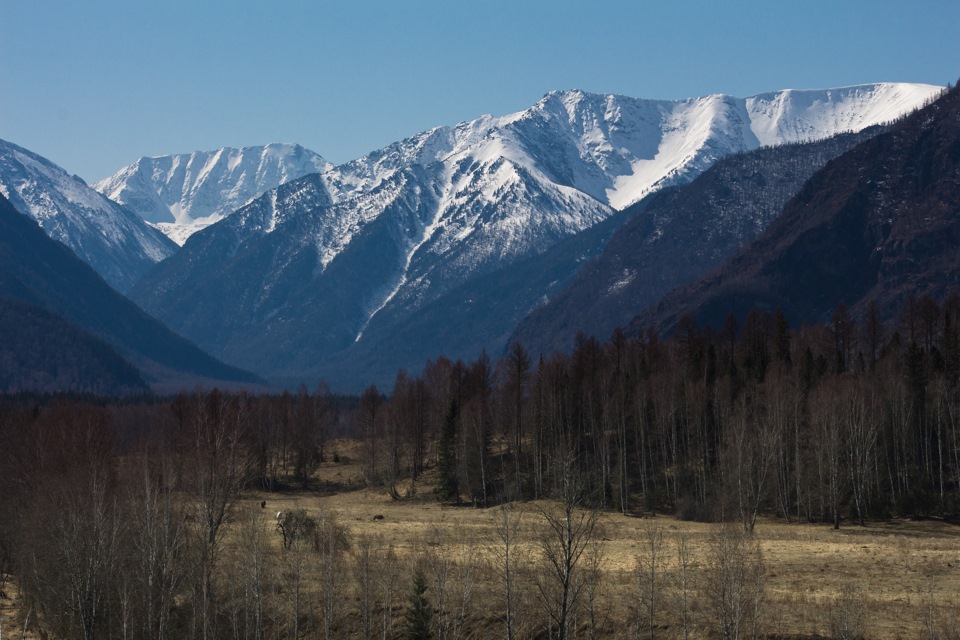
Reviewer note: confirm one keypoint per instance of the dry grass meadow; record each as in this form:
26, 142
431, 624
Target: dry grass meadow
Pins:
905, 575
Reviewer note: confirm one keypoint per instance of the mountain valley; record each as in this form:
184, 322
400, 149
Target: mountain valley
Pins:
352, 273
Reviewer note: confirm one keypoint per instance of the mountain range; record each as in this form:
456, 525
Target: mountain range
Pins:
355, 271
877, 226
675, 236
181, 194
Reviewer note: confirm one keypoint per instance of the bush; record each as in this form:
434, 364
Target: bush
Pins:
846, 616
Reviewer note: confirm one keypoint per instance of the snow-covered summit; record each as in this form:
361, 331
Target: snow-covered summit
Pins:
181, 194
114, 241
611, 148
617, 149
383, 244
799, 115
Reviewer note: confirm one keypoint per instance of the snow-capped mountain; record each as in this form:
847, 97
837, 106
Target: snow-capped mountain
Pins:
677, 235
181, 194
876, 227
109, 237
317, 276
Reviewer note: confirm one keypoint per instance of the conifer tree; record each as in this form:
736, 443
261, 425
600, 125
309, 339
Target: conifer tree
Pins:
418, 616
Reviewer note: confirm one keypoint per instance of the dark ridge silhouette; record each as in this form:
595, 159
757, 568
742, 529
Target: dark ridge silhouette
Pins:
46, 274
41, 352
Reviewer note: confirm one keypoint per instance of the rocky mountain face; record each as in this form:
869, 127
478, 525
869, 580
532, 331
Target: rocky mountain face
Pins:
676, 236
105, 235
328, 275
181, 194
45, 274
880, 223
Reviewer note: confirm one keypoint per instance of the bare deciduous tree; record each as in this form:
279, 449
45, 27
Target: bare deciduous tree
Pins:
377, 574
570, 526
73, 553
332, 545
507, 521
649, 578
682, 583
257, 574
846, 615
734, 583
364, 560
221, 461
158, 536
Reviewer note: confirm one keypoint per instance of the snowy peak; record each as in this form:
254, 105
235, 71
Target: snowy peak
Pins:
796, 116
612, 148
341, 263
114, 241
618, 149
181, 194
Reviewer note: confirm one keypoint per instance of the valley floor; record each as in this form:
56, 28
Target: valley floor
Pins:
893, 579
901, 577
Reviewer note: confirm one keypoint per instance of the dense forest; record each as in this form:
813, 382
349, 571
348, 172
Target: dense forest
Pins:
114, 514
824, 423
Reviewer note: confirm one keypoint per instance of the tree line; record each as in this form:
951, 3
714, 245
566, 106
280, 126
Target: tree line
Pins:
114, 515
842, 421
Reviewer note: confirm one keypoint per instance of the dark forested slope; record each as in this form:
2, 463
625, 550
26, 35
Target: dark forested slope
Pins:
41, 352
46, 274
677, 236
880, 223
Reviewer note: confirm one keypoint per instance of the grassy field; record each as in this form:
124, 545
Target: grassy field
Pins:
903, 575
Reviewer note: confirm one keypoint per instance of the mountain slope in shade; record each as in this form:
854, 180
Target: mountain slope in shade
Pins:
108, 237
335, 265
42, 272
43, 353
489, 306
184, 193
881, 222
677, 235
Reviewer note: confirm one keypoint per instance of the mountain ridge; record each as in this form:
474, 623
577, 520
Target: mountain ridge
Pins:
44, 273
681, 233
325, 263
44, 353
877, 224
105, 235
183, 193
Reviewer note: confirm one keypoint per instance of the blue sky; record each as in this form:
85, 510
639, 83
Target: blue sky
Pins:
95, 84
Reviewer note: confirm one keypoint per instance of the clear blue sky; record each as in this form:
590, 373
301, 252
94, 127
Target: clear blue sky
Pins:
95, 84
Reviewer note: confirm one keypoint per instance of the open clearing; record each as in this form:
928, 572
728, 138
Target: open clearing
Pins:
904, 572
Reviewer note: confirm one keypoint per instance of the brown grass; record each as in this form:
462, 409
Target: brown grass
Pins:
11, 621
899, 569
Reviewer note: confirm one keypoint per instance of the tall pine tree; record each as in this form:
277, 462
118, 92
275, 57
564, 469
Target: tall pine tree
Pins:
418, 615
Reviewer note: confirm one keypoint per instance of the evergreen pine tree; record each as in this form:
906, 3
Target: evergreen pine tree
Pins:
418, 616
